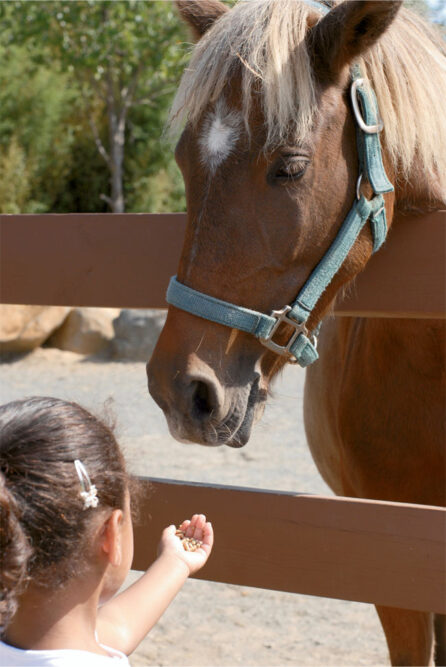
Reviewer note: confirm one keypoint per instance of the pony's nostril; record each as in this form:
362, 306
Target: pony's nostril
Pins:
203, 403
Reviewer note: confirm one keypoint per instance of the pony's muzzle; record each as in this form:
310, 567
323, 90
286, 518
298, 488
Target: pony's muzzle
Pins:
206, 400
193, 401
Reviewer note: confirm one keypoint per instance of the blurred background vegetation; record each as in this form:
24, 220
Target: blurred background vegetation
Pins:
85, 88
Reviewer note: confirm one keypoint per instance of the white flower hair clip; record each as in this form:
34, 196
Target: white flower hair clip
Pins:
89, 493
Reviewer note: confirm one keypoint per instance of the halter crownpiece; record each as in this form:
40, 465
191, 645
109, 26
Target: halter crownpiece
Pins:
301, 346
89, 493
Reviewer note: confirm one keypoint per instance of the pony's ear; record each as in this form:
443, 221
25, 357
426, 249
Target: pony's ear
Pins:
200, 14
348, 30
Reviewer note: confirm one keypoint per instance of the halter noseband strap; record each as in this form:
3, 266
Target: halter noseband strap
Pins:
301, 347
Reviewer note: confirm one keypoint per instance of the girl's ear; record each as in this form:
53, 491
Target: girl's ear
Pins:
200, 15
111, 538
348, 30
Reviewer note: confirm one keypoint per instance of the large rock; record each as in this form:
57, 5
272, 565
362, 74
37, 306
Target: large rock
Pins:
136, 333
86, 331
23, 328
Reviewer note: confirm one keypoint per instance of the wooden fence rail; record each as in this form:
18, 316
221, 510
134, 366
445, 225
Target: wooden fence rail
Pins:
126, 261
370, 551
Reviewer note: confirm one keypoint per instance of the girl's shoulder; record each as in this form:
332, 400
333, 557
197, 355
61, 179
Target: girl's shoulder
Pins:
16, 657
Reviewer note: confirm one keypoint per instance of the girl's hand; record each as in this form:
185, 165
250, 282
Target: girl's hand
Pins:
199, 529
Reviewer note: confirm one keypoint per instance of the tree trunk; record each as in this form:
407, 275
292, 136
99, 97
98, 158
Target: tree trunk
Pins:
119, 101
117, 139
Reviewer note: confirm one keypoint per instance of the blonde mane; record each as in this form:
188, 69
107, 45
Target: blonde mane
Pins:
264, 40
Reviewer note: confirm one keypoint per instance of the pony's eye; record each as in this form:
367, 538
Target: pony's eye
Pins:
289, 169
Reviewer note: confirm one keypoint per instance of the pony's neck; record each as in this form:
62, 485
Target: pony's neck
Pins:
421, 193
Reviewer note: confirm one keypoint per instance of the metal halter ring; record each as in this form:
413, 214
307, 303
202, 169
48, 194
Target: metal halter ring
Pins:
358, 187
368, 129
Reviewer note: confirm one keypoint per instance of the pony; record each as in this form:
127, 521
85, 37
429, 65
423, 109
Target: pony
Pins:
269, 156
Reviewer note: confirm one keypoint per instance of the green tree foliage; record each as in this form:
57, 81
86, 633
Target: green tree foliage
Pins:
14, 179
87, 89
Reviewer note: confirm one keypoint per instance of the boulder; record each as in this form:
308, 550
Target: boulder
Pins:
136, 333
23, 328
86, 331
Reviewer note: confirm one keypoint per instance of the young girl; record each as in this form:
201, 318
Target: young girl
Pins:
66, 542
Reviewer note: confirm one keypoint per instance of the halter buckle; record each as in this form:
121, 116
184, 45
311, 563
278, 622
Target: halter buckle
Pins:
282, 317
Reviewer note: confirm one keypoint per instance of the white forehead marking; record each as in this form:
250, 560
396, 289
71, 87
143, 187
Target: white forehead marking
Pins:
220, 135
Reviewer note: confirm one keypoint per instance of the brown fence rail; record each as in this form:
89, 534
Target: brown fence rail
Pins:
126, 260
391, 554
370, 551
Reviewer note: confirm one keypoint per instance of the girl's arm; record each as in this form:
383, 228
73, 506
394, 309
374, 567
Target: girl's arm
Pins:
124, 621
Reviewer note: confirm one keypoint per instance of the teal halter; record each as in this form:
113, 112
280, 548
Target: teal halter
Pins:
301, 347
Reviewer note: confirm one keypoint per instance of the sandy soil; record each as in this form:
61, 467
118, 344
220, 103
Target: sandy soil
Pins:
215, 624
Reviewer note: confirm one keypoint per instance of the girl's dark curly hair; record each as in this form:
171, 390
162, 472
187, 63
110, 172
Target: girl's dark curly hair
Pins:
45, 532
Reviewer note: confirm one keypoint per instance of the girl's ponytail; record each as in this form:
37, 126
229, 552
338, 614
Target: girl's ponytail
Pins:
15, 552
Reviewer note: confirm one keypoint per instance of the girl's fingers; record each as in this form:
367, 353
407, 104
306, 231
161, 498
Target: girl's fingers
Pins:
196, 527
190, 530
190, 526
184, 526
208, 535
199, 526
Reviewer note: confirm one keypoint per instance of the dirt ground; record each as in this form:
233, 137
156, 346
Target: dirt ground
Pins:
215, 624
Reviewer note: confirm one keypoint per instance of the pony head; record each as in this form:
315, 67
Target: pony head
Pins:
270, 163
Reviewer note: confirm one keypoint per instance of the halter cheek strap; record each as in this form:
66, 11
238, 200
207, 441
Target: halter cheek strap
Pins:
301, 347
